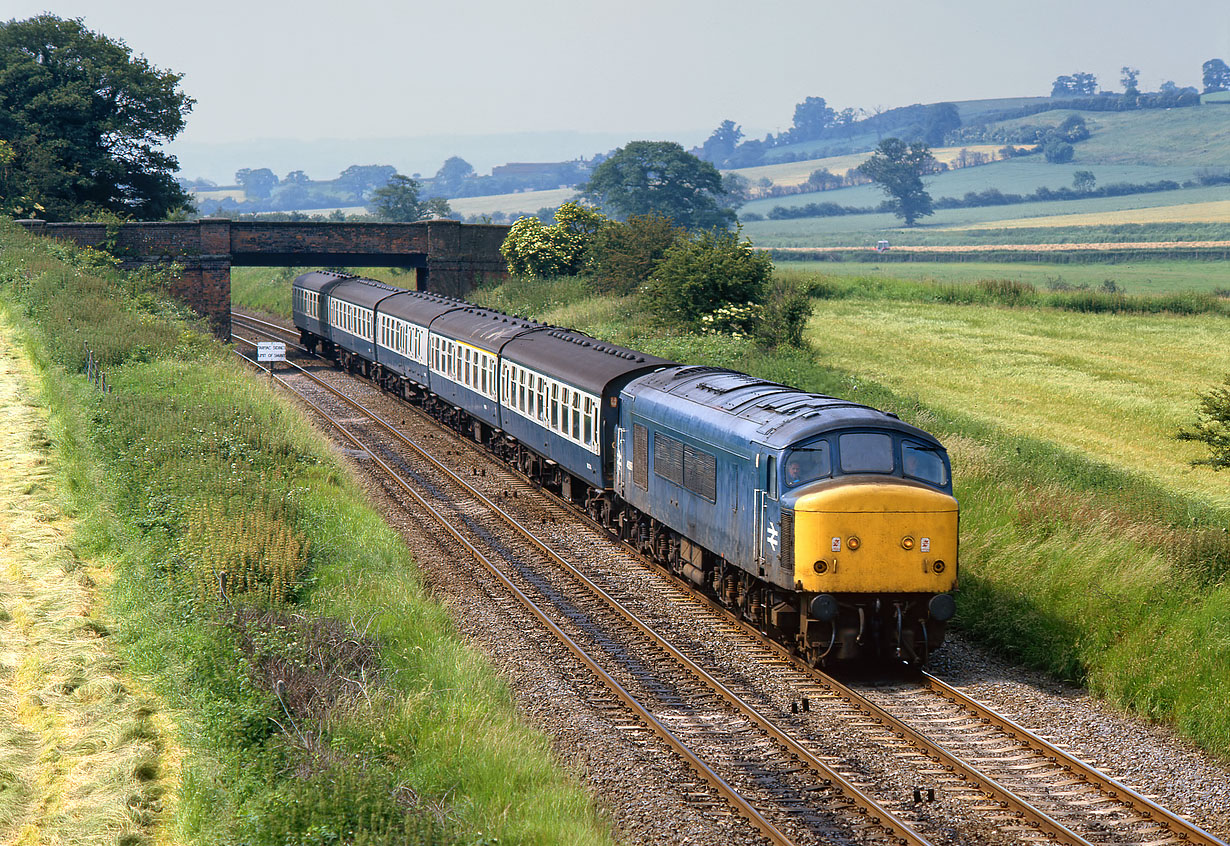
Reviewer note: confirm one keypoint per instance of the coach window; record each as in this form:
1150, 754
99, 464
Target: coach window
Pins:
554, 406
576, 416
589, 422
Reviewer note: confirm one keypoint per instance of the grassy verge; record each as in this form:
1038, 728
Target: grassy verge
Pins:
320, 695
1087, 568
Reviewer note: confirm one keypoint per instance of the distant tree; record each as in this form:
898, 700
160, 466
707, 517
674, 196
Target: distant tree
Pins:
1128, 81
1058, 152
823, 180
737, 190
1072, 129
942, 118
662, 177
398, 200
1216, 76
296, 177
84, 120
701, 274
898, 169
359, 181
437, 207
811, 118
256, 183
451, 174
720, 146
1084, 180
1079, 84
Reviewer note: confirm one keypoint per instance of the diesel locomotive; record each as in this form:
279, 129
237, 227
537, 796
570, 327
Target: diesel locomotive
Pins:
826, 522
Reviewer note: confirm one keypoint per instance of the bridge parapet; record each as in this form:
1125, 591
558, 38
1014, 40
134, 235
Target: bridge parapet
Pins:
450, 257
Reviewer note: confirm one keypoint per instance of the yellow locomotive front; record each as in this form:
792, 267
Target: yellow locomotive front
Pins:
874, 549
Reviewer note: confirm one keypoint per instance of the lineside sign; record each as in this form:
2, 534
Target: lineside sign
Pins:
270, 351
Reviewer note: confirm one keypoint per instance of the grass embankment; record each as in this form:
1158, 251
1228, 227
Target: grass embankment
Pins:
320, 696
1103, 560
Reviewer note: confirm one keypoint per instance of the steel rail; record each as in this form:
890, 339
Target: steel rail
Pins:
1142, 804
721, 785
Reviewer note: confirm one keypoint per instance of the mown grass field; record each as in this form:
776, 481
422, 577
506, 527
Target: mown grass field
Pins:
1089, 547
1217, 211
1143, 277
796, 173
319, 694
956, 226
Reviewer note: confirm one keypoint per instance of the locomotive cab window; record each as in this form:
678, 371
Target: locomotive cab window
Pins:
866, 452
806, 464
925, 463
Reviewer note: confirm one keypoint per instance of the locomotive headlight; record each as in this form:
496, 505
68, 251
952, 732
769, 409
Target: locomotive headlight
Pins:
907, 542
853, 543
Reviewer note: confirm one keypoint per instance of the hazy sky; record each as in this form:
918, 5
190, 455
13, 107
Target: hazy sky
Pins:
362, 68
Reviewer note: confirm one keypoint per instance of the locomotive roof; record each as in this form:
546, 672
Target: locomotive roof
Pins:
578, 358
765, 412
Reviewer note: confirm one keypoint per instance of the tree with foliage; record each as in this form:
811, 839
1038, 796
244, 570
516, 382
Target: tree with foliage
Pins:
256, 183
398, 201
451, 174
1072, 129
562, 249
1084, 181
898, 169
359, 181
1058, 152
783, 317
1216, 76
662, 177
1212, 427
811, 118
1079, 84
703, 273
84, 119
1128, 81
721, 145
624, 254
942, 118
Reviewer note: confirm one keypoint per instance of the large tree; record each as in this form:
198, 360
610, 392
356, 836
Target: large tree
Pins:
1216, 76
811, 118
84, 119
898, 169
660, 176
399, 201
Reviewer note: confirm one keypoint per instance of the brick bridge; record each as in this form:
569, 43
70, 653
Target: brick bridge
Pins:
449, 257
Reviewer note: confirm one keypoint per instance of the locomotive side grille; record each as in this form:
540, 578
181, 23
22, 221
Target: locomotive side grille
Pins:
640, 456
700, 472
787, 557
668, 458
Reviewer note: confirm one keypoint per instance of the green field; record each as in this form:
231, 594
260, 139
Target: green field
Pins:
866, 229
1143, 277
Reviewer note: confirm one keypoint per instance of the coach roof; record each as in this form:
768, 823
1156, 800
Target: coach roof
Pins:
578, 359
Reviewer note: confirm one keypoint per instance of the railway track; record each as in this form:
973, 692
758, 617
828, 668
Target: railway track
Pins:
915, 755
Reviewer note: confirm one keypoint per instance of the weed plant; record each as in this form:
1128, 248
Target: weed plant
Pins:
245, 561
